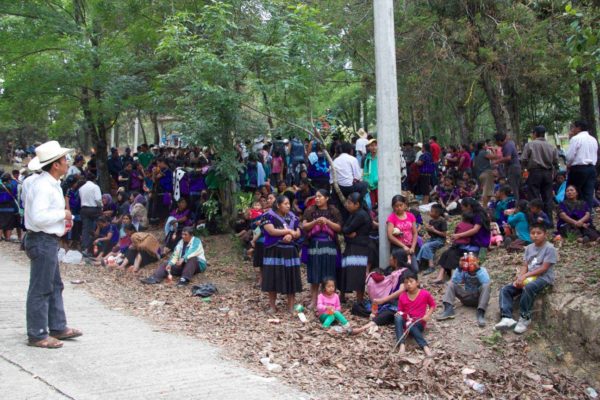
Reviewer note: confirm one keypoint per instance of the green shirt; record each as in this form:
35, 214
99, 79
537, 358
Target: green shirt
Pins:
370, 172
145, 159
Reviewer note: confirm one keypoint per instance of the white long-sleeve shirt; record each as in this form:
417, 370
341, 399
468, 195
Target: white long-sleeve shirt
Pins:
45, 205
347, 169
90, 195
583, 150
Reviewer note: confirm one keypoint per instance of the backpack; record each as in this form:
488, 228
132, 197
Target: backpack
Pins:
204, 290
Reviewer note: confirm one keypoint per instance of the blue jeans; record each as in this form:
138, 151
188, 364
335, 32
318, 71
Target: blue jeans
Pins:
45, 308
528, 293
416, 331
429, 248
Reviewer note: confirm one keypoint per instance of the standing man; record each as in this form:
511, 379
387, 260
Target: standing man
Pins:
77, 168
541, 160
45, 217
348, 176
510, 159
91, 208
582, 156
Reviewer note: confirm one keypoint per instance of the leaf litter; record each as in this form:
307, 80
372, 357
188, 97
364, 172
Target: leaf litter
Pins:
336, 366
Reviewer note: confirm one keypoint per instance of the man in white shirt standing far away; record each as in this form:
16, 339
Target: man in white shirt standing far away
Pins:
582, 156
91, 209
46, 220
348, 175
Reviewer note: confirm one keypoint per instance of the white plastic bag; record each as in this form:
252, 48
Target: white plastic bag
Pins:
61, 254
72, 257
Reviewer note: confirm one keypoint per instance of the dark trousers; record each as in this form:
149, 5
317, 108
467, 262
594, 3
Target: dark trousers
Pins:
528, 293
416, 331
583, 177
89, 216
45, 308
187, 270
513, 177
539, 186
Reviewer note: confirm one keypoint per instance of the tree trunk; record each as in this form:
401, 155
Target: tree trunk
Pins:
139, 116
461, 118
101, 160
365, 113
512, 105
586, 105
116, 127
494, 93
154, 119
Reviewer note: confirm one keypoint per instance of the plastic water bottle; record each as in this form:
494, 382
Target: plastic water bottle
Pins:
300, 310
476, 386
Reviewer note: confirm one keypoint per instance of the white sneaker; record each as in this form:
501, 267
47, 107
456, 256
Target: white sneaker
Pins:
522, 325
505, 324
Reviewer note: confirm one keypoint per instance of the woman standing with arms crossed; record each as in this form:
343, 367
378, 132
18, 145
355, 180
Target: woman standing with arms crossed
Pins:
281, 263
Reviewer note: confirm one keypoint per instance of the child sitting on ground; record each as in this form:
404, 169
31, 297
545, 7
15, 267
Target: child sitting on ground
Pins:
517, 220
119, 251
328, 306
436, 228
383, 289
504, 201
536, 273
415, 307
537, 215
496, 239
465, 225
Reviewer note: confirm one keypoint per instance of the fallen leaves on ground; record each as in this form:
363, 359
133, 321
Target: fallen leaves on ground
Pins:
328, 365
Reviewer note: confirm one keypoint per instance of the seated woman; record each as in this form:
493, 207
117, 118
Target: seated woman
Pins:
478, 236
186, 261
574, 218
384, 289
117, 255
109, 207
144, 250
138, 211
107, 236
447, 194
179, 218
122, 203
304, 197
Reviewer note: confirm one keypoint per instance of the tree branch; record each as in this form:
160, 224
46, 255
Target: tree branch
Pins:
31, 53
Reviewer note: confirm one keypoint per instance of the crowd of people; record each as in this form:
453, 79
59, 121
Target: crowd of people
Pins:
519, 200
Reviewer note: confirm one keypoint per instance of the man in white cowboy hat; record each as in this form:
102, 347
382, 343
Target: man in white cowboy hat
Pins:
46, 220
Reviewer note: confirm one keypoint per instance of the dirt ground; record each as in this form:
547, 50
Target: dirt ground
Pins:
338, 366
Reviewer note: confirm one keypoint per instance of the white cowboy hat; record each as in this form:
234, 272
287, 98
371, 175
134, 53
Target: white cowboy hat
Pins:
361, 133
259, 139
47, 153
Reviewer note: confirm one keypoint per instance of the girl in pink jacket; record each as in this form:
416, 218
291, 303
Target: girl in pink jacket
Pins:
328, 306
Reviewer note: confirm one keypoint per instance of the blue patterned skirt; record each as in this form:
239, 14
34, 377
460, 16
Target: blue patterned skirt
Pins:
281, 269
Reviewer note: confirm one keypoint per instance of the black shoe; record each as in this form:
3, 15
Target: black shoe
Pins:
151, 280
182, 282
448, 312
480, 317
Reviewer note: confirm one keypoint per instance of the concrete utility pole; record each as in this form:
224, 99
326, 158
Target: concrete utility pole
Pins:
388, 143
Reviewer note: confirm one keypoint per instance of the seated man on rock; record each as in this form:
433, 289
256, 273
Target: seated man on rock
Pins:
186, 261
471, 284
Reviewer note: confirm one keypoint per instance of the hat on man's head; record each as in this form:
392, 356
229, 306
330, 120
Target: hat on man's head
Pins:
419, 145
361, 133
47, 153
370, 142
259, 139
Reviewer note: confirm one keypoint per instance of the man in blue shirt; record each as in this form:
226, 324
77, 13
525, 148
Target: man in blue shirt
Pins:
472, 287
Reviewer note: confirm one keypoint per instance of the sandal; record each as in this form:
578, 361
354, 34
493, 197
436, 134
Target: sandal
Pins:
69, 333
46, 343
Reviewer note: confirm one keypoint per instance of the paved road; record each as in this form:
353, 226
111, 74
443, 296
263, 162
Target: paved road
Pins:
119, 356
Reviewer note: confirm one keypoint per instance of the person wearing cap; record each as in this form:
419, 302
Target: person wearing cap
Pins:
46, 219
541, 160
361, 145
370, 171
